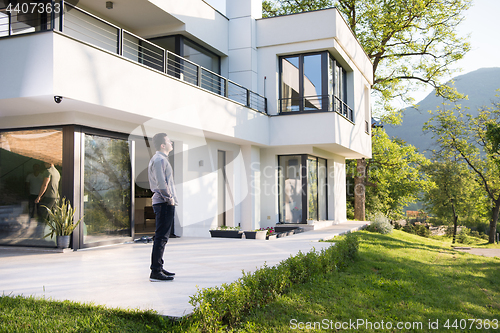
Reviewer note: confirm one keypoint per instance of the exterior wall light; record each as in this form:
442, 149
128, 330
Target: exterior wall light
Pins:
109, 4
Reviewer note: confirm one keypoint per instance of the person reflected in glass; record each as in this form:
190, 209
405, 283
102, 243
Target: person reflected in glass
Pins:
49, 191
161, 182
34, 182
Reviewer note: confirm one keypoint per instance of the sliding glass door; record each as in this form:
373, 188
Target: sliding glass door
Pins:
302, 182
107, 189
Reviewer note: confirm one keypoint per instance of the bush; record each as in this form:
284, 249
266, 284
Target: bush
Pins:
220, 307
422, 230
380, 224
463, 236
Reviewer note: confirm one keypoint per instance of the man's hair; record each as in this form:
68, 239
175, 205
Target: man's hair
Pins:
158, 140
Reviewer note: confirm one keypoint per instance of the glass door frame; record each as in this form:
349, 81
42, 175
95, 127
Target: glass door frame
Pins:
79, 181
304, 183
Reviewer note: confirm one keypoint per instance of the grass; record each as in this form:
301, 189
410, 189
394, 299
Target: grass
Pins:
472, 242
396, 278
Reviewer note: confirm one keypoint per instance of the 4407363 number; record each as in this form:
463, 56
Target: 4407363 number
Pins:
471, 323
34, 8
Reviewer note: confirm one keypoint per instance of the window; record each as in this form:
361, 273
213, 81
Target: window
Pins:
302, 183
107, 189
188, 49
313, 82
27, 158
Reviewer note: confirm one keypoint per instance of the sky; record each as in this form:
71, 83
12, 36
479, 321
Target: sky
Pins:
483, 24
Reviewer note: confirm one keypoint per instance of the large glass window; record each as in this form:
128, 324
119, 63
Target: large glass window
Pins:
187, 49
30, 167
312, 82
290, 186
107, 189
302, 188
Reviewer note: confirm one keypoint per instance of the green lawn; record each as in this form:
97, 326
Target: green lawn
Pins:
397, 278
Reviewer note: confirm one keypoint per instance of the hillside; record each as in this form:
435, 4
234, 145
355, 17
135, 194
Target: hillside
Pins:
480, 86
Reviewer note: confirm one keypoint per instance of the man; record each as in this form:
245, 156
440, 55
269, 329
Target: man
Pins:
49, 191
161, 182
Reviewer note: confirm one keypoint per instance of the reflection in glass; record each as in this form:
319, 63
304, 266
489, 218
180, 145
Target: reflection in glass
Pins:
27, 158
292, 194
290, 187
290, 90
312, 188
107, 191
312, 82
322, 189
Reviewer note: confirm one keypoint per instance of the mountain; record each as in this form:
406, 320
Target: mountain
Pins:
480, 86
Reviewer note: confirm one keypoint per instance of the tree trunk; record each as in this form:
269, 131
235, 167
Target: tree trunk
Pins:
359, 190
493, 223
455, 225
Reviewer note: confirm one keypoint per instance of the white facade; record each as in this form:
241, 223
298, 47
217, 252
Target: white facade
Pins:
105, 91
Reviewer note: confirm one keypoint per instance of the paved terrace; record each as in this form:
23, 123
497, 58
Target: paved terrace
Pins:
118, 276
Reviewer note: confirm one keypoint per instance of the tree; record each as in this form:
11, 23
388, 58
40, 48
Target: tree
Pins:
475, 142
454, 194
393, 178
411, 43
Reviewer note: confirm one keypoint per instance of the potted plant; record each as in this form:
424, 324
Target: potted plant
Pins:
226, 232
256, 234
60, 221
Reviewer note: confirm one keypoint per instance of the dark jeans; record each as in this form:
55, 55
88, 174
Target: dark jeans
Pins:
164, 214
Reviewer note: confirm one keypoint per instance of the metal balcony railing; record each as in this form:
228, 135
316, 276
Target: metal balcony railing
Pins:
88, 28
318, 103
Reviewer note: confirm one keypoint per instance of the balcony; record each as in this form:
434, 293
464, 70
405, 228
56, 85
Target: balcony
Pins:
326, 103
88, 28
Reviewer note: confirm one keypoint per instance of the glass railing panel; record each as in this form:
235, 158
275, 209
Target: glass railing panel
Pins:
142, 51
258, 102
88, 28
290, 104
212, 82
237, 93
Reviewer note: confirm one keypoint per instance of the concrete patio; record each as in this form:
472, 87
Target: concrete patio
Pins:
118, 276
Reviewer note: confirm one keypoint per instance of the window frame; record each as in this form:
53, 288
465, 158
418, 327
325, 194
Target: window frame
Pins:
327, 62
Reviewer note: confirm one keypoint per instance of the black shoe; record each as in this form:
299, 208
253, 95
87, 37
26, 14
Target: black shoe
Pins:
159, 277
167, 273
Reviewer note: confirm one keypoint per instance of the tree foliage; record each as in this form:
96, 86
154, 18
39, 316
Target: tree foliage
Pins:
411, 43
454, 196
394, 175
474, 142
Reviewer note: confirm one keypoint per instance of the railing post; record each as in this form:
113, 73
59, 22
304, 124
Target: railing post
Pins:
198, 81
61, 17
164, 68
248, 97
226, 88
120, 42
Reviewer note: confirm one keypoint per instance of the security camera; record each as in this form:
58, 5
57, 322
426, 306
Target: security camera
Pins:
58, 99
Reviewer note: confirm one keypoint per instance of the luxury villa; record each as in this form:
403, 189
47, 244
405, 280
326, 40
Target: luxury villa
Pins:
263, 113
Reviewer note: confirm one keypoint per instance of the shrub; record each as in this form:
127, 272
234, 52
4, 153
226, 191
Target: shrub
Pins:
463, 236
422, 230
220, 307
380, 224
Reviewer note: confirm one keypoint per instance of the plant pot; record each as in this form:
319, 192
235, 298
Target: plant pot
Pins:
261, 234
62, 242
271, 237
226, 233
